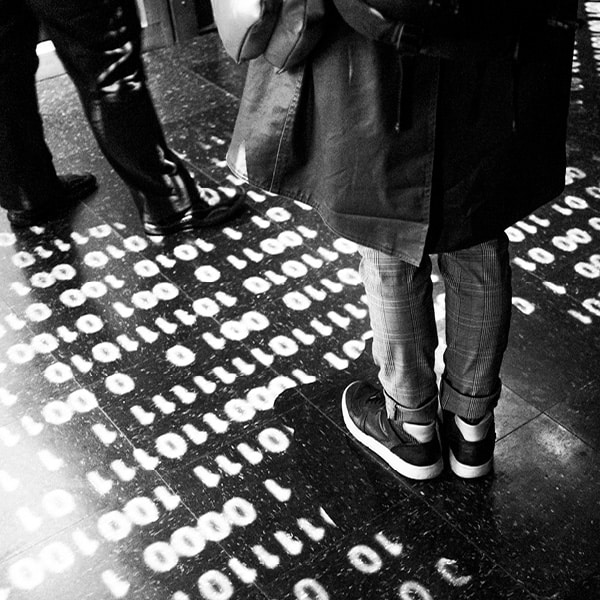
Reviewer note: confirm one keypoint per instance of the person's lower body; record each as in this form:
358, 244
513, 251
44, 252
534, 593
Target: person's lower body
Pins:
99, 42
30, 189
399, 421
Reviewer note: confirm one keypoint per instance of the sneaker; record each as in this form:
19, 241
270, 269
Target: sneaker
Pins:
410, 449
210, 208
76, 187
470, 447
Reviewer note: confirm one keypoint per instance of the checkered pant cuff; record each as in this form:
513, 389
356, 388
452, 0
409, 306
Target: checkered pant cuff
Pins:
422, 415
468, 407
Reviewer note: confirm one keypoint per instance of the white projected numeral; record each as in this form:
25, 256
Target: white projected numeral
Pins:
214, 585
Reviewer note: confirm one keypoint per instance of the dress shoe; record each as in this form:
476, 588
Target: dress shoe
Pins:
211, 207
75, 188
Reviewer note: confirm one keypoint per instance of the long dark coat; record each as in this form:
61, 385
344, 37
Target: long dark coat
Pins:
410, 155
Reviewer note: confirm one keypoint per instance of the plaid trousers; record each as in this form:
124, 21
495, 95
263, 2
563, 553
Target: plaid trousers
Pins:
478, 307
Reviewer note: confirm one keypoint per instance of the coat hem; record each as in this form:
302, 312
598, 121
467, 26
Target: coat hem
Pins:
299, 197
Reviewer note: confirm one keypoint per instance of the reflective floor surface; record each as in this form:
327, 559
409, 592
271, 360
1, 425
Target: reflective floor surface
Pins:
170, 426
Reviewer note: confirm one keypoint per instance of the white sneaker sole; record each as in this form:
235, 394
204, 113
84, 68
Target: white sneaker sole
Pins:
468, 471
400, 466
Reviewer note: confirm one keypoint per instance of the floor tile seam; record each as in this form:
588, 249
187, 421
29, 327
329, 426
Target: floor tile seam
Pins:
130, 259
86, 149
328, 546
522, 399
199, 86
181, 340
545, 413
44, 541
520, 426
82, 383
444, 522
337, 425
80, 380
174, 492
253, 206
86, 205
261, 587
264, 594
216, 86
191, 126
286, 328
248, 346
184, 64
349, 437
579, 193
228, 442
449, 521
525, 275
210, 176
76, 379
496, 561
190, 298
155, 471
307, 243
568, 429
161, 55
30, 332
593, 203
57, 359
271, 417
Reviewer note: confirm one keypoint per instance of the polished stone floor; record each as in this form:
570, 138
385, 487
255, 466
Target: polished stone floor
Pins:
170, 425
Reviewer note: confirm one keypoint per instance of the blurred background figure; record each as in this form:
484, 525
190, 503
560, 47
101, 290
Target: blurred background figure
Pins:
99, 42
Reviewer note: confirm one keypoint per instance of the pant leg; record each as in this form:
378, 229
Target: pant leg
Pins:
399, 297
27, 175
99, 42
478, 309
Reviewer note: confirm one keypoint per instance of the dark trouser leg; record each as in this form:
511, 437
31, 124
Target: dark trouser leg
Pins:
27, 175
99, 43
478, 309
